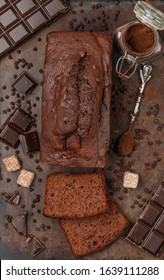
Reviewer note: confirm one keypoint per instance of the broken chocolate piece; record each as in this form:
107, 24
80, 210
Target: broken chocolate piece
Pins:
20, 223
148, 231
9, 136
17, 123
21, 121
29, 142
24, 83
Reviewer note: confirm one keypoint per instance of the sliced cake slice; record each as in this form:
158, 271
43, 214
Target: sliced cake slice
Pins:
87, 235
75, 195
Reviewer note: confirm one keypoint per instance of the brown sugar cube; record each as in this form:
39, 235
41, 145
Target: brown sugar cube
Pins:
130, 180
25, 178
75, 195
12, 163
87, 235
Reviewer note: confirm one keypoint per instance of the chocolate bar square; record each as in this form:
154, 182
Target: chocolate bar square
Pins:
150, 215
8, 18
18, 33
154, 243
54, 7
36, 20
3, 4
24, 6
138, 233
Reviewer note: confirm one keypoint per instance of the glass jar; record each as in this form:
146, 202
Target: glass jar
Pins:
139, 40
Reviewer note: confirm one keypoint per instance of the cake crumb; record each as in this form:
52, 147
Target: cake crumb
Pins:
12, 163
130, 180
25, 178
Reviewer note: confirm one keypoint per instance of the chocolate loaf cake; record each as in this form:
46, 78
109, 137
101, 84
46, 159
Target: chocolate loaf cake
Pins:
87, 235
76, 99
75, 195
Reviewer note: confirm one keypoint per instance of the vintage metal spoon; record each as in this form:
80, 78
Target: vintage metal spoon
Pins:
126, 141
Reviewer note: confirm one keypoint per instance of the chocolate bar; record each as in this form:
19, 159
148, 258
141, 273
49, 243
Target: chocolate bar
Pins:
19, 19
29, 142
24, 84
148, 231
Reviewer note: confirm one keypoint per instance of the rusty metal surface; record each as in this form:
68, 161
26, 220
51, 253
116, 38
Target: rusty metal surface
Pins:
147, 160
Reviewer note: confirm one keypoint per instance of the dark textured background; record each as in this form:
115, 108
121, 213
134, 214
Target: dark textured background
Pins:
147, 160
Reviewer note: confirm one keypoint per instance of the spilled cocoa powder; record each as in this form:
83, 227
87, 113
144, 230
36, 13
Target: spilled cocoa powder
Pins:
139, 38
126, 144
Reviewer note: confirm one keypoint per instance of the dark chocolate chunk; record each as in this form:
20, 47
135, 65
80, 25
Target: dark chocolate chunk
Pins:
148, 231
29, 142
20, 120
24, 83
20, 223
10, 136
19, 19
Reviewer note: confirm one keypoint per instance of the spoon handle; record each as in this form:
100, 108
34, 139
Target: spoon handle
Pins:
145, 77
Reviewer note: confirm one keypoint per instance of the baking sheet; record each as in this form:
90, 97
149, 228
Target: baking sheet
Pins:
147, 160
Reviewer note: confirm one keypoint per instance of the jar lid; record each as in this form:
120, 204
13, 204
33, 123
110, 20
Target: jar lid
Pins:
149, 15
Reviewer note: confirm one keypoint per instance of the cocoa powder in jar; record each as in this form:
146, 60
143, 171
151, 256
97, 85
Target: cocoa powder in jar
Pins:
139, 38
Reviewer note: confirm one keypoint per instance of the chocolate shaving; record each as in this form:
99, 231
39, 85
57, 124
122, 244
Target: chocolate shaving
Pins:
20, 223
12, 199
15, 199
38, 247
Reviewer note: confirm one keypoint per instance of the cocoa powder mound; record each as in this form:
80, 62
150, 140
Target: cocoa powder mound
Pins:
139, 38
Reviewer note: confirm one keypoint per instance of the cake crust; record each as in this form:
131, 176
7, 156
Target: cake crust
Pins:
76, 99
